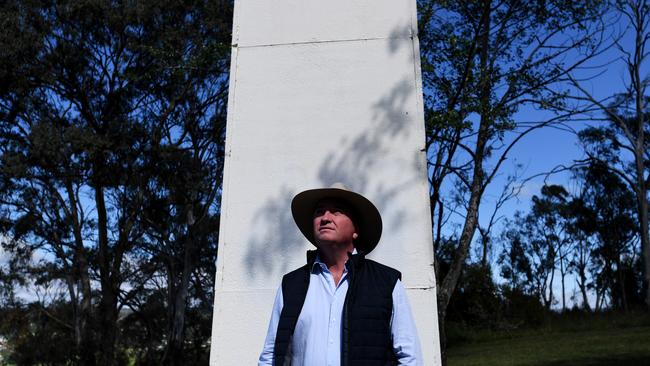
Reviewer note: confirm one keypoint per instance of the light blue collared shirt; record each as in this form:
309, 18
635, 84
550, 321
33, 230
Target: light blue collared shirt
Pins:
317, 336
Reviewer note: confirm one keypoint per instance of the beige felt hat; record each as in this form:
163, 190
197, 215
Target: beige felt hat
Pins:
366, 216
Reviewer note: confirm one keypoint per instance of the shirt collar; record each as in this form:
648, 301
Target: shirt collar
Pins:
318, 263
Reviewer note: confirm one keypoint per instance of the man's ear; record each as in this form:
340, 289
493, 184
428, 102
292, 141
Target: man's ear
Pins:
355, 235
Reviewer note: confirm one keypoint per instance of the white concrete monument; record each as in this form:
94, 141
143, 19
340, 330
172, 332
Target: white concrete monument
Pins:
320, 92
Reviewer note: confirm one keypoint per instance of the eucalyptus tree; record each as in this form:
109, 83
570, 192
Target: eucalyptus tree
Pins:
619, 138
592, 233
483, 61
516, 266
536, 244
605, 211
550, 213
91, 91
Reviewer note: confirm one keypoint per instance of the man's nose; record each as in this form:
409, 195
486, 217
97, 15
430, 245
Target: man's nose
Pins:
327, 216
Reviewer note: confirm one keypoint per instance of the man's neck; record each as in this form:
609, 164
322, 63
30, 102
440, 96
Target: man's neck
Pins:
335, 254
335, 258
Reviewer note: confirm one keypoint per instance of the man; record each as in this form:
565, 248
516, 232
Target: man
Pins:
340, 308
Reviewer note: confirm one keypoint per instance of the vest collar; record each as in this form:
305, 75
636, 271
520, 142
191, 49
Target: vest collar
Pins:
355, 257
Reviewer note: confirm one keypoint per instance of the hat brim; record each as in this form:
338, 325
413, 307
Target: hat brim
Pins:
367, 218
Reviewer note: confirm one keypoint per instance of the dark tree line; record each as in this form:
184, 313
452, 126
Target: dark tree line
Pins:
112, 117
482, 63
573, 254
590, 237
620, 143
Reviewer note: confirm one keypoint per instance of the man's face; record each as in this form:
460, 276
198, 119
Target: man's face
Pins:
333, 223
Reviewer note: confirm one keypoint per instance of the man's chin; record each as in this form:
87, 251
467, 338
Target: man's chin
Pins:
320, 241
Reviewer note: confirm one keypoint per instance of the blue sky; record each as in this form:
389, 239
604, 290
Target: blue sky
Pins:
544, 149
547, 148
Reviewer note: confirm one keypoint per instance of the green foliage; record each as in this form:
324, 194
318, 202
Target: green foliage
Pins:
591, 234
34, 337
514, 263
522, 56
611, 143
606, 210
479, 303
476, 302
112, 118
482, 62
521, 309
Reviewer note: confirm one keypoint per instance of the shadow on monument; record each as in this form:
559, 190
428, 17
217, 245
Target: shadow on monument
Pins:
275, 231
352, 160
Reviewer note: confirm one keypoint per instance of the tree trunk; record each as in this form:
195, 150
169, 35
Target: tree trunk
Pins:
448, 285
87, 343
645, 246
177, 332
642, 203
443, 336
583, 292
108, 304
174, 355
550, 289
485, 241
620, 278
84, 340
108, 322
639, 145
562, 275
451, 278
582, 276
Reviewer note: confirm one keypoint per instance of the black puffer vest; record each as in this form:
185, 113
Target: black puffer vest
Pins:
366, 338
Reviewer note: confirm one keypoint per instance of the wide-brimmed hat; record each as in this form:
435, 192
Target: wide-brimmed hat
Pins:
366, 217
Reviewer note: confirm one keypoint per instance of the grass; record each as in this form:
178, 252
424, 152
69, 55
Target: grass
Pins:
599, 342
